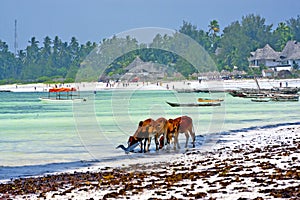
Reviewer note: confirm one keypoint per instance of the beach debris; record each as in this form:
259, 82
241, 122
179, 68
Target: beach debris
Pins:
260, 170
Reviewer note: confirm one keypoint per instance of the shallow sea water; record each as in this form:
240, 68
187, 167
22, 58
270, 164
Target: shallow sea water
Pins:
38, 137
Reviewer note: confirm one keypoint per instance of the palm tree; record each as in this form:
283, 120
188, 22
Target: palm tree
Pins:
32, 51
214, 28
282, 35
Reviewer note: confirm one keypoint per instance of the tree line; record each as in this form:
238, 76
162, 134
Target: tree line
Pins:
54, 59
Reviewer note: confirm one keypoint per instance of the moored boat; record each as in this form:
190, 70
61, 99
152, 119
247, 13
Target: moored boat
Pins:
261, 99
287, 94
5, 90
63, 95
192, 104
285, 97
54, 100
209, 100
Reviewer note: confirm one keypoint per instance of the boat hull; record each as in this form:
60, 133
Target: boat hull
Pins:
260, 100
209, 100
192, 104
53, 100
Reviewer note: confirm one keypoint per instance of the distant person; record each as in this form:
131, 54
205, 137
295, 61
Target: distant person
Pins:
280, 84
286, 84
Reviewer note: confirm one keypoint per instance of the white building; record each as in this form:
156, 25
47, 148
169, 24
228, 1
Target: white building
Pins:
266, 56
290, 55
286, 60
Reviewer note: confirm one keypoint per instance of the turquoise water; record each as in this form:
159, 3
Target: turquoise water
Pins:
35, 133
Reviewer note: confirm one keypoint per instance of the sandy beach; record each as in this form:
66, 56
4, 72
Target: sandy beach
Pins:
211, 85
259, 163
255, 164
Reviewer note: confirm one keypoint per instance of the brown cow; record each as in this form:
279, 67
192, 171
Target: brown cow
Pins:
145, 131
182, 124
160, 131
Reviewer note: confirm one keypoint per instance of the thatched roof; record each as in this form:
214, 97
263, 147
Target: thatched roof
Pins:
139, 66
266, 53
136, 62
291, 51
144, 70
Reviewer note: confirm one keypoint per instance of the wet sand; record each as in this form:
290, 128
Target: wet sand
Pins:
250, 164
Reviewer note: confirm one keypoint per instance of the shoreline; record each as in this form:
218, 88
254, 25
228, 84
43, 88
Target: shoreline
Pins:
210, 85
256, 155
250, 164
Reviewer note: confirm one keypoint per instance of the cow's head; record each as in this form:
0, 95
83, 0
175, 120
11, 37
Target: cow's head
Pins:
172, 126
132, 140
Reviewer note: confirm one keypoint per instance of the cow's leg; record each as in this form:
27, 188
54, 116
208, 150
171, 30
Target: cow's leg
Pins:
192, 133
145, 143
149, 143
167, 140
170, 136
141, 143
156, 142
186, 139
176, 143
193, 137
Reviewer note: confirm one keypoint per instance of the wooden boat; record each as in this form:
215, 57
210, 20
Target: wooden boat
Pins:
263, 93
5, 90
285, 97
189, 90
261, 100
192, 104
236, 93
209, 100
62, 95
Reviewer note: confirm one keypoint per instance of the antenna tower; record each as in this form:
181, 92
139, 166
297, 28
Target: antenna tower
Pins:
16, 43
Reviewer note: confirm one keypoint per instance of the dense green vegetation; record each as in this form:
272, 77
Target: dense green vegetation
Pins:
55, 60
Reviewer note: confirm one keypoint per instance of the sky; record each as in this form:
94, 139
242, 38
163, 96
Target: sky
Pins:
94, 20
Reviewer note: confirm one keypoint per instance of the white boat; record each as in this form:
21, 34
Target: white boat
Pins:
54, 100
261, 99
